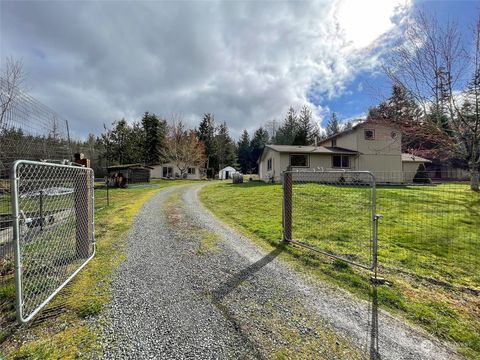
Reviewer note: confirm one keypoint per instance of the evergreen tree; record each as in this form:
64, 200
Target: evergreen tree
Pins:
307, 130
154, 137
333, 126
244, 153
399, 107
347, 126
225, 147
258, 142
206, 134
287, 133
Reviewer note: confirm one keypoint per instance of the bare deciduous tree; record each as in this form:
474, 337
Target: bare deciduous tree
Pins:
182, 147
11, 81
434, 67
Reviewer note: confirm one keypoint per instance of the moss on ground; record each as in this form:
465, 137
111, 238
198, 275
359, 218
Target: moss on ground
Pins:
67, 335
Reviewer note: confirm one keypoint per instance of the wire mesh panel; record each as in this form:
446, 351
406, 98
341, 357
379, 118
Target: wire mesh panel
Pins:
53, 230
332, 213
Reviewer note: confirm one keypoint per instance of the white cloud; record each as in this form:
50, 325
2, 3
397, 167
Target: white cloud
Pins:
246, 62
364, 22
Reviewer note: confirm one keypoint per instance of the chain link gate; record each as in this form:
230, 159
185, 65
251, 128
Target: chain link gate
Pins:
332, 213
53, 229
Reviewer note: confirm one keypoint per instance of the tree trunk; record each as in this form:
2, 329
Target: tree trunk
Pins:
474, 178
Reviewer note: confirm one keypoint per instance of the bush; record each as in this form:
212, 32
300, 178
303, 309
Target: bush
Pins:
422, 176
237, 178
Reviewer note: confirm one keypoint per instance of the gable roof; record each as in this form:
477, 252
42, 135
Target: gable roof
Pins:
128, 166
310, 149
413, 158
354, 128
342, 133
299, 149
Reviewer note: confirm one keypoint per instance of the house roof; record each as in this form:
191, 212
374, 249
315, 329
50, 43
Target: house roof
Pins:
344, 132
354, 128
299, 149
413, 158
128, 166
310, 149
228, 168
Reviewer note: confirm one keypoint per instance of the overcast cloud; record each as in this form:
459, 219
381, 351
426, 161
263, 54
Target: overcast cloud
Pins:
245, 62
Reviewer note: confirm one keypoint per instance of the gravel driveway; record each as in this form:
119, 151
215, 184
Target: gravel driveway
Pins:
192, 288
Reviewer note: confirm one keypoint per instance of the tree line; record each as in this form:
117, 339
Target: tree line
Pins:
154, 140
435, 101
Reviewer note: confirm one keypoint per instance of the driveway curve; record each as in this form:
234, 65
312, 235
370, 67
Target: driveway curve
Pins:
193, 288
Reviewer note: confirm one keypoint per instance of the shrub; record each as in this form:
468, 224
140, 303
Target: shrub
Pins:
422, 176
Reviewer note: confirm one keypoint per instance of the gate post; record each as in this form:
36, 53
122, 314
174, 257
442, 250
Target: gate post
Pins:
287, 205
81, 189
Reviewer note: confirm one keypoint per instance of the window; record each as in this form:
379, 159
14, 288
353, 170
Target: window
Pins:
341, 161
269, 164
167, 171
334, 142
191, 171
299, 160
369, 134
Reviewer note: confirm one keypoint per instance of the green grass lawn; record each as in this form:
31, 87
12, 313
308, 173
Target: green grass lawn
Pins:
429, 242
67, 334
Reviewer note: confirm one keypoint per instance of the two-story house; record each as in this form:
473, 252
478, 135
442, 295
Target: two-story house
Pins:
367, 146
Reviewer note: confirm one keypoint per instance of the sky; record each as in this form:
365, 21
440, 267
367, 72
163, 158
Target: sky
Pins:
246, 62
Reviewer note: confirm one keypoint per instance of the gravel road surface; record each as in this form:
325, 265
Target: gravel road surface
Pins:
192, 288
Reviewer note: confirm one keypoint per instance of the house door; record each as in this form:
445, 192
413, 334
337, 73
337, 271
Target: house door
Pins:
227, 175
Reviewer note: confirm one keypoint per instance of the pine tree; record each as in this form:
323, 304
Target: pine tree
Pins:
333, 126
288, 131
307, 130
258, 142
154, 137
206, 134
244, 153
225, 148
347, 126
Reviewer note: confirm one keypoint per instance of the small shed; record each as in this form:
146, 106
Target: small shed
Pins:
226, 173
132, 173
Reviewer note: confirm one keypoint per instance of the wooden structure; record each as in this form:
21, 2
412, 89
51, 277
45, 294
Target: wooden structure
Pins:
129, 173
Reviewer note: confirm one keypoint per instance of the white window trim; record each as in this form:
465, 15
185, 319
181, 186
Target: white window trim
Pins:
365, 137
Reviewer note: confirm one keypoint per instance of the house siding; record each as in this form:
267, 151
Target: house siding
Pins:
348, 141
275, 173
409, 170
157, 171
382, 156
316, 162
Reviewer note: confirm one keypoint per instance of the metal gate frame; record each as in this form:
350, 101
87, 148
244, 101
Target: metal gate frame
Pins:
287, 217
14, 185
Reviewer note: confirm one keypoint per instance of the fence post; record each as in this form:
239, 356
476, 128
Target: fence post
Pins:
287, 205
81, 192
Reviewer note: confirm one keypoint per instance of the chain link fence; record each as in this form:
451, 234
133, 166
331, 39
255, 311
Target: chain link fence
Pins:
429, 228
53, 230
333, 213
29, 130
